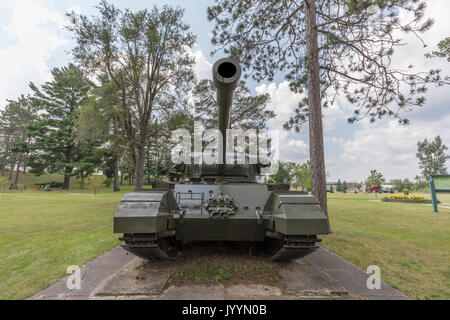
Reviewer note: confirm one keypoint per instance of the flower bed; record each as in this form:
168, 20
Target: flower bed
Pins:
404, 199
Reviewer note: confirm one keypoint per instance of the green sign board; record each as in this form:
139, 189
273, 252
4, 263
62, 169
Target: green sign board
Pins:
442, 183
439, 184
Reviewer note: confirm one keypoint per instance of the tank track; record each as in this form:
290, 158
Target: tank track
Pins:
147, 245
294, 247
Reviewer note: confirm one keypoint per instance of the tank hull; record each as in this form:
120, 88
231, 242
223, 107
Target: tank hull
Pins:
254, 212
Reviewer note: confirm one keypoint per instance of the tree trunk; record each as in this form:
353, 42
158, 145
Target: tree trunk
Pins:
67, 175
139, 168
4, 164
316, 148
11, 168
66, 182
24, 162
68, 170
116, 174
121, 179
16, 178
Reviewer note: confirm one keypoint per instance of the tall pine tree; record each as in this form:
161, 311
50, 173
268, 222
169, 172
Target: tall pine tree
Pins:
55, 147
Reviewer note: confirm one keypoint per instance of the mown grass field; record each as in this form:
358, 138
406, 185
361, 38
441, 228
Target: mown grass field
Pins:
41, 233
409, 242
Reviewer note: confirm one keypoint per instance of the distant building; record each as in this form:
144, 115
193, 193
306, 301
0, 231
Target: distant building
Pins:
355, 187
352, 186
331, 186
387, 188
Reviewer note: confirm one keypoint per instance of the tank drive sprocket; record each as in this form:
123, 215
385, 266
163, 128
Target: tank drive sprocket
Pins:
291, 247
149, 246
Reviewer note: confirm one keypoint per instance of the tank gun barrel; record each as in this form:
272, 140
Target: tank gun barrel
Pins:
226, 77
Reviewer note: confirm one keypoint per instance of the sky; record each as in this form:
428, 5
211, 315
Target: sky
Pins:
33, 41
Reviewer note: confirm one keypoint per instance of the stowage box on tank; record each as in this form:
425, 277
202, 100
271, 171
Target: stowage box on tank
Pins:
221, 202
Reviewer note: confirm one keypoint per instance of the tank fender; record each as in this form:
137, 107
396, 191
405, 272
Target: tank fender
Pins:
146, 211
294, 213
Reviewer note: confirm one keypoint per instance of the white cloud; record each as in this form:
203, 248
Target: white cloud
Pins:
202, 68
35, 32
390, 148
413, 52
282, 101
294, 147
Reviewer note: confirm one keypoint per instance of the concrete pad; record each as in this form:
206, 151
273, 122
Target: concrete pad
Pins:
194, 292
302, 277
355, 282
120, 276
252, 290
326, 260
93, 275
139, 278
352, 278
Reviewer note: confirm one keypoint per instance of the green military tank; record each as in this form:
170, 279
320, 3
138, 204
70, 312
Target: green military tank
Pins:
221, 202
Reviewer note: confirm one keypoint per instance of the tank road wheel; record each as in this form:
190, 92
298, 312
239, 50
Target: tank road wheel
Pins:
148, 246
291, 247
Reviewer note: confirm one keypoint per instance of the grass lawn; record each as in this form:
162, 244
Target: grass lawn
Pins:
409, 242
41, 233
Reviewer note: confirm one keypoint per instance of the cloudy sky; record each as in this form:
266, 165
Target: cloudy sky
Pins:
33, 41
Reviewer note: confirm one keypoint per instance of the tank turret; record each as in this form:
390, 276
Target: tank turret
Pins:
226, 75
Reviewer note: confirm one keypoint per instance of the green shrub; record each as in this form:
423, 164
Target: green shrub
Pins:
81, 183
406, 191
385, 199
270, 180
108, 182
56, 184
95, 181
4, 182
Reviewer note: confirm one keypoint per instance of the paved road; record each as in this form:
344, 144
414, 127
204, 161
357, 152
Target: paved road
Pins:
321, 275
